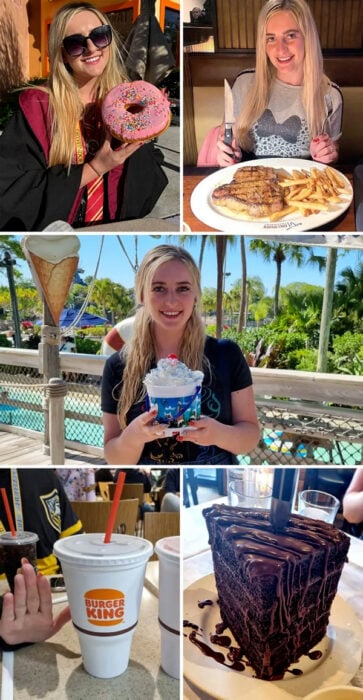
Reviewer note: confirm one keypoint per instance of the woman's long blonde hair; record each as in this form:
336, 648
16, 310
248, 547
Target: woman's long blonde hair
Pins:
65, 105
315, 82
139, 353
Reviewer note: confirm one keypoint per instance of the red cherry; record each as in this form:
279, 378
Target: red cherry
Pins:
172, 357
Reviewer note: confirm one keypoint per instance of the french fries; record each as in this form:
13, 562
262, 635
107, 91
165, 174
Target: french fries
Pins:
309, 192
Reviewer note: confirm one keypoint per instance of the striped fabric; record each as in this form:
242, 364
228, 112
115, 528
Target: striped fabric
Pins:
95, 188
95, 194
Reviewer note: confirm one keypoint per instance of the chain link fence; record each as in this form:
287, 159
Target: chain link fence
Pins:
293, 432
23, 405
319, 436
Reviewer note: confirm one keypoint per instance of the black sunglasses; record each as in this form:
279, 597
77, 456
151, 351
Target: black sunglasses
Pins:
76, 44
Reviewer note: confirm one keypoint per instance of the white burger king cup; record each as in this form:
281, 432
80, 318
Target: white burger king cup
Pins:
168, 552
104, 585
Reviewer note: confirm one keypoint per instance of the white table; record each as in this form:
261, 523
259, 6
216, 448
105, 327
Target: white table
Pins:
197, 562
53, 670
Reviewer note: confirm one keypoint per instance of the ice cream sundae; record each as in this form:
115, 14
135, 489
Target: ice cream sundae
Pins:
176, 392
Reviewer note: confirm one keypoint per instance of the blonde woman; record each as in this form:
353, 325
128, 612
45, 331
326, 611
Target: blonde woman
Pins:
57, 161
286, 106
168, 321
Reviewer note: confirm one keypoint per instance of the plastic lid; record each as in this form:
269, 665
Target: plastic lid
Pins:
169, 547
23, 537
91, 550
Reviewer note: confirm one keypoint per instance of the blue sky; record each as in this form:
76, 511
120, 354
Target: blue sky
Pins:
113, 263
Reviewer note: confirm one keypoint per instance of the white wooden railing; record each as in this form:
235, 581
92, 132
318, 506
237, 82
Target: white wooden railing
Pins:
290, 392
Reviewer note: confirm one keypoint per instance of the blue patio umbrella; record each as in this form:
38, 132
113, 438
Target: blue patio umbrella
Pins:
68, 316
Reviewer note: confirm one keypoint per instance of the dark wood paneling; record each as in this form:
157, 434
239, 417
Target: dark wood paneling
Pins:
339, 23
209, 70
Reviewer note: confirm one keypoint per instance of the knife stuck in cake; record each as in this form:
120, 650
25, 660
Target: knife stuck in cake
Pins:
283, 490
53, 260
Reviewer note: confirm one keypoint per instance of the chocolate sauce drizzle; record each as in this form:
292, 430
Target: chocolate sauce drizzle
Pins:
234, 654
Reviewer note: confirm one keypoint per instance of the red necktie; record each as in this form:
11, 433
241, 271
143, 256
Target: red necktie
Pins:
95, 188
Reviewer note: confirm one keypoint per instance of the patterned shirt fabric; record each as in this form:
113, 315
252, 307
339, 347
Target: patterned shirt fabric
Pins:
282, 130
229, 373
45, 510
79, 484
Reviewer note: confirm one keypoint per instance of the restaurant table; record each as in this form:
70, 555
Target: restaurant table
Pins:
193, 176
197, 563
54, 669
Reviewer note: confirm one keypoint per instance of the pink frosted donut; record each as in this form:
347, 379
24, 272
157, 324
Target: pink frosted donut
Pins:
136, 111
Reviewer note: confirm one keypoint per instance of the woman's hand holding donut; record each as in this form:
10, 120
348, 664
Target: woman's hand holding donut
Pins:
227, 155
107, 158
324, 149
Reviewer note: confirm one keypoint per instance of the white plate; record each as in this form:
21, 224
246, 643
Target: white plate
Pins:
341, 654
233, 222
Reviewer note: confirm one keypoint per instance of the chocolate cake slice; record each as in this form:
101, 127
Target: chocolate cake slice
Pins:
275, 589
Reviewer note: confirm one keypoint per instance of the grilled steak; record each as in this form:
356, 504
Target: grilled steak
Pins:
258, 198
253, 173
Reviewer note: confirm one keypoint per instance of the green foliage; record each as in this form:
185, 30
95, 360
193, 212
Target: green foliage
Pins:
276, 345
303, 360
348, 353
96, 331
348, 344
88, 346
9, 103
4, 341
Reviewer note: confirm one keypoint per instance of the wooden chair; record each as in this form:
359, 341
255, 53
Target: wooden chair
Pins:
158, 525
104, 489
107, 491
94, 515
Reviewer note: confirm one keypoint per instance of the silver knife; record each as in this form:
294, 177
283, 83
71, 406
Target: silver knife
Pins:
228, 113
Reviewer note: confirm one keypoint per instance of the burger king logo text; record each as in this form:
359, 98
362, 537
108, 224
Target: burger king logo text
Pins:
104, 606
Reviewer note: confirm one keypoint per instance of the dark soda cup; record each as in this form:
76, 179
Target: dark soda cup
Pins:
13, 548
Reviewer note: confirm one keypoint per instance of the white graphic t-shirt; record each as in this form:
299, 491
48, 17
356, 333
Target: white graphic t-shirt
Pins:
282, 129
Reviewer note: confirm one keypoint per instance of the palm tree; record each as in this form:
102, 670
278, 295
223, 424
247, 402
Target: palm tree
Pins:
204, 239
9, 246
13, 246
278, 253
302, 309
221, 245
208, 301
350, 296
242, 315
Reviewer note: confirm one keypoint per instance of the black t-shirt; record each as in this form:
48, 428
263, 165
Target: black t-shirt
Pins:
229, 372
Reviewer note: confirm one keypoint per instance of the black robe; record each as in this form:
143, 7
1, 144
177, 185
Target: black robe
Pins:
32, 195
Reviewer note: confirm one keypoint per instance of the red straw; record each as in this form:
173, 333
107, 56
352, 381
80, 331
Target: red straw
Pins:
8, 511
114, 506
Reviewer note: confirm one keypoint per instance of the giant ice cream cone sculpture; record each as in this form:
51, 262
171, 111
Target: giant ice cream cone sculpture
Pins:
53, 260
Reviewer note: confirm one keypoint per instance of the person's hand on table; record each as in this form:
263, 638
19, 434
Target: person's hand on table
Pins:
27, 614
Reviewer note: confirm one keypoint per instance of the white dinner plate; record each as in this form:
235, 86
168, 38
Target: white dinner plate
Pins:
341, 654
235, 222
